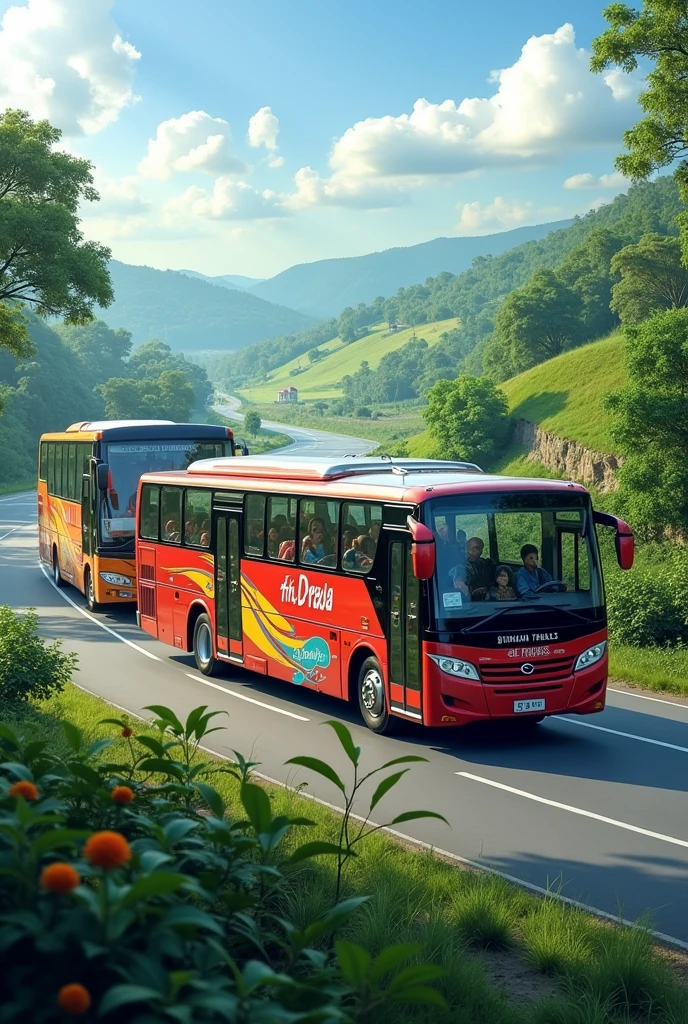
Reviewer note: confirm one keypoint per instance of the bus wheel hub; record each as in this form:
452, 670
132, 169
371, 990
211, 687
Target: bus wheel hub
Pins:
372, 692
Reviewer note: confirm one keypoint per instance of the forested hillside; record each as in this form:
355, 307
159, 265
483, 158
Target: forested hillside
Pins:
191, 314
324, 288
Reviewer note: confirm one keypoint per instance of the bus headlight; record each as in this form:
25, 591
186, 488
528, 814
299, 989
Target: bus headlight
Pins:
591, 656
454, 667
115, 580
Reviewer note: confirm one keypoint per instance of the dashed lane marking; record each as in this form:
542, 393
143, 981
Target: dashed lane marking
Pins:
250, 700
625, 735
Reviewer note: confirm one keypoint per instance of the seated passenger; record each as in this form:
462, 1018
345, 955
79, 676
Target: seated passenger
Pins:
287, 545
313, 547
359, 557
531, 575
171, 530
204, 540
191, 532
255, 537
479, 570
374, 531
503, 588
273, 541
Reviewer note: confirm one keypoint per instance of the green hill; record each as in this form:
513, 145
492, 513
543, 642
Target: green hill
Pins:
321, 379
563, 396
190, 314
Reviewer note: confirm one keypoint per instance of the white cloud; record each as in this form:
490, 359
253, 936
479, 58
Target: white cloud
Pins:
120, 196
263, 129
66, 61
193, 142
277, 161
500, 213
339, 190
548, 102
229, 200
579, 181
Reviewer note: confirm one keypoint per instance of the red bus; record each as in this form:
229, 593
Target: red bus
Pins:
423, 590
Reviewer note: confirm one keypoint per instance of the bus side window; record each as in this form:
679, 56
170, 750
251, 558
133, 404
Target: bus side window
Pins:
197, 508
73, 488
150, 508
43, 462
281, 524
51, 467
254, 525
171, 517
360, 533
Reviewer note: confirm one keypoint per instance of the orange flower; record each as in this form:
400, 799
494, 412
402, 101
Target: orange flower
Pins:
107, 850
127, 731
60, 877
74, 998
122, 795
24, 788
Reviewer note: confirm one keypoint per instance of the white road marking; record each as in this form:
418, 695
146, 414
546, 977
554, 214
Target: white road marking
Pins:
14, 530
626, 735
576, 810
641, 696
92, 618
251, 700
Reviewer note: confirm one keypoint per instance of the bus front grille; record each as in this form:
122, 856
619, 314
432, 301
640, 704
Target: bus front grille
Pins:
551, 670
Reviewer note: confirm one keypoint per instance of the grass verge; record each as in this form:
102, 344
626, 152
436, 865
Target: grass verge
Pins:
30, 485
582, 970
394, 425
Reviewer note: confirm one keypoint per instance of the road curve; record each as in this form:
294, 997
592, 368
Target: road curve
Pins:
593, 808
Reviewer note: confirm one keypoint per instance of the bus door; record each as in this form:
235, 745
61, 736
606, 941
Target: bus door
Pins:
228, 584
404, 631
89, 520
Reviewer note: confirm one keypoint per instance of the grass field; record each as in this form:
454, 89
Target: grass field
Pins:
565, 395
393, 426
320, 380
510, 957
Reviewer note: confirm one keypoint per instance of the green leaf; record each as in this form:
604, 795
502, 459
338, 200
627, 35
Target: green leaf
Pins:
177, 828
256, 803
162, 766
346, 740
194, 717
57, 839
405, 759
73, 735
160, 883
113, 721
391, 957
314, 849
416, 974
420, 996
385, 787
20, 770
9, 735
86, 774
321, 767
166, 715
212, 798
413, 815
334, 918
123, 995
150, 742
354, 962
188, 915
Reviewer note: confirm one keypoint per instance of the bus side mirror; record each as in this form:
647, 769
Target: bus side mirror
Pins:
623, 541
423, 552
240, 447
102, 473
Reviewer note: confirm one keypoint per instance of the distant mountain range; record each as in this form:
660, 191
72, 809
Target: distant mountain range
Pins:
326, 287
226, 280
190, 314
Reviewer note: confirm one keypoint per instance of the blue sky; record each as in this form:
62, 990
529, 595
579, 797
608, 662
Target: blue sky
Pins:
341, 158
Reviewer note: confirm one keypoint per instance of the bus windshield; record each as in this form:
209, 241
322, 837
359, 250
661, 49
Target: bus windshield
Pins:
127, 461
507, 555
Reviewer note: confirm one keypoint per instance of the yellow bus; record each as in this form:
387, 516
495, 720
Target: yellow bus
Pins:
88, 479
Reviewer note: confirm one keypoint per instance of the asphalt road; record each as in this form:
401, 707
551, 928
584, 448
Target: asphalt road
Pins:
594, 808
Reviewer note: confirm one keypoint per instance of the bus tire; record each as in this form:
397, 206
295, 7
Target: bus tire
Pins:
90, 591
57, 575
371, 697
206, 662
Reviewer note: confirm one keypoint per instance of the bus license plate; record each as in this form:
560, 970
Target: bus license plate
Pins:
528, 705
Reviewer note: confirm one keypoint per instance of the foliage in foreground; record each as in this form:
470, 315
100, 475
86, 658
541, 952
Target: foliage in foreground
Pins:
130, 892
30, 667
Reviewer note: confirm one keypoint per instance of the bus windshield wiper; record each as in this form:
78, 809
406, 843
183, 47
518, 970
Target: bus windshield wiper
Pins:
514, 608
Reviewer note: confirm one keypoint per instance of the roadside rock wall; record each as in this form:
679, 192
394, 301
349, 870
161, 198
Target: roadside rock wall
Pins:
591, 468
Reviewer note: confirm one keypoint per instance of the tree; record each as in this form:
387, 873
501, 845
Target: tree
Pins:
44, 261
587, 271
315, 354
467, 418
659, 33
252, 422
651, 422
101, 350
538, 321
170, 396
651, 278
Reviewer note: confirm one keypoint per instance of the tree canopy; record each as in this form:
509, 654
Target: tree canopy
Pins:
467, 418
651, 277
252, 422
538, 321
658, 33
44, 261
651, 421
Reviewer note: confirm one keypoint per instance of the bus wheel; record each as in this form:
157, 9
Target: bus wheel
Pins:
57, 575
371, 697
90, 591
203, 647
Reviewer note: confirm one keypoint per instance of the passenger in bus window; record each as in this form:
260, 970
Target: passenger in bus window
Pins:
360, 556
255, 537
273, 541
191, 532
314, 547
205, 540
172, 530
531, 575
374, 531
287, 544
503, 587
349, 534
480, 571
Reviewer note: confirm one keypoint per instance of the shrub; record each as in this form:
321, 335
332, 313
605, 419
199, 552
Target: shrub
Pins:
363, 412
649, 606
30, 667
167, 906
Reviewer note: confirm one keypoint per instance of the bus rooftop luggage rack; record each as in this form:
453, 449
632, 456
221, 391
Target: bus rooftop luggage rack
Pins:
286, 468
